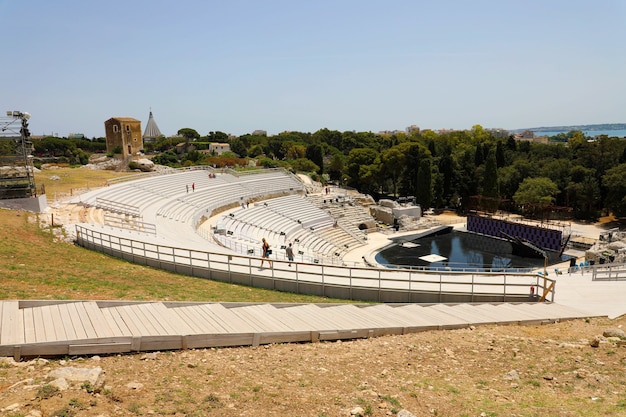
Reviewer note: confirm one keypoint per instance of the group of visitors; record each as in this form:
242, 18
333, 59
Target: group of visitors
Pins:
266, 252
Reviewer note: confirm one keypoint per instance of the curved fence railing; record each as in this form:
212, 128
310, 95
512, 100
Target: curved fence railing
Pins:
606, 272
364, 284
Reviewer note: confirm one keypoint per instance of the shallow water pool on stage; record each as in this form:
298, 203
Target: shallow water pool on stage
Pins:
462, 251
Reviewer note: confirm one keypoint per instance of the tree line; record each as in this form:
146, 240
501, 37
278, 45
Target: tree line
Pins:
465, 169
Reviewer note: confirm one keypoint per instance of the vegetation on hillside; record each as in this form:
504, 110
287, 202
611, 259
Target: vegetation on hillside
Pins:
469, 169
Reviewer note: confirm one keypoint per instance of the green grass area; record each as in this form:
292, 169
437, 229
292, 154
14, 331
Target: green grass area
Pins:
33, 265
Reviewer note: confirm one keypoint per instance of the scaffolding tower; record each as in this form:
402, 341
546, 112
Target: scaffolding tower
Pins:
17, 178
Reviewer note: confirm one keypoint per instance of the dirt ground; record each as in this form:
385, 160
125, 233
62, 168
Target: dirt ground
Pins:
548, 370
544, 370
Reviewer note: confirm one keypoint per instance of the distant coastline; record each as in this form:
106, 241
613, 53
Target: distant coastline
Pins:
594, 127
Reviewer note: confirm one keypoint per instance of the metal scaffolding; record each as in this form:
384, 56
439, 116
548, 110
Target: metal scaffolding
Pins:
17, 178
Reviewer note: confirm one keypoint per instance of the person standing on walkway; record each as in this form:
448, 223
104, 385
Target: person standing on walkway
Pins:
289, 251
193, 186
265, 251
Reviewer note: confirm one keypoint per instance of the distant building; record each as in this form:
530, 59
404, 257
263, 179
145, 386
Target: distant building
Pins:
527, 134
412, 129
390, 132
152, 131
260, 133
123, 134
499, 133
218, 148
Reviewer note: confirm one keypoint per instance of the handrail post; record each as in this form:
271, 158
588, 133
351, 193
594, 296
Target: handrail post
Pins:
350, 282
440, 286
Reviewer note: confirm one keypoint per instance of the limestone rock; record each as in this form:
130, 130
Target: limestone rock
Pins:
511, 376
134, 385
357, 411
93, 376
594, 342
614, 332
61, 384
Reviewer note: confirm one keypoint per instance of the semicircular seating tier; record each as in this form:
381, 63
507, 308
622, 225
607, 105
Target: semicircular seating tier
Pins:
172, 206
314, 234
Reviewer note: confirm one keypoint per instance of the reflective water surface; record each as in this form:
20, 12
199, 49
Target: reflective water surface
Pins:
462, 251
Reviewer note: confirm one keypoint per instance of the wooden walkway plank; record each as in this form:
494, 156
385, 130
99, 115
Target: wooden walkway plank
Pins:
20, 325
172, 320
149, 318
48, 328
57, 322
264, 320
501, 315
220, 319
48, 323
315, 321
217, 316
260, 322
465, 312
40, 328
77, 323
66, 318
116, 321
195, 320
444, 320
522, 314
85, 321
409, 323
29, 326
132, 321
391, 313
292, 321
338, 321
100, 325
228, 319
557, 311
9, 330
366, 318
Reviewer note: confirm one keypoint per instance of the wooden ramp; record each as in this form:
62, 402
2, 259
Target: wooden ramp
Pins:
58, 328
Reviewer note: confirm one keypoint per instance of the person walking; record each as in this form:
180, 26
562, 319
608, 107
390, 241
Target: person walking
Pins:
265, 251
289, 251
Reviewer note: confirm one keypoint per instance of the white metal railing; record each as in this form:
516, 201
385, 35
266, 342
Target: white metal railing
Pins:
608, 272
130, 223
117, 207
371, 284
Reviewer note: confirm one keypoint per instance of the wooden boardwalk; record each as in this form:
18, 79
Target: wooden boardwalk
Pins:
57, 328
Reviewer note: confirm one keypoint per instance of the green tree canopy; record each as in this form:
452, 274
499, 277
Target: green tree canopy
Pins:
188, 133
535, 193
362, 168
614, 180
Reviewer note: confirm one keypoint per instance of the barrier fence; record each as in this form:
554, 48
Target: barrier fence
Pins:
354, 283
608, 272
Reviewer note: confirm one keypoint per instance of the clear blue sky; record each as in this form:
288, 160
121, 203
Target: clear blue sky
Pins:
237, 66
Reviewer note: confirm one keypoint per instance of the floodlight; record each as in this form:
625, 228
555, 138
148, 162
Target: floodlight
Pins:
26, 115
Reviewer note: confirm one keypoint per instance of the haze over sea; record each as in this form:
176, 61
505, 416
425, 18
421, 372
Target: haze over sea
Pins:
588, 133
